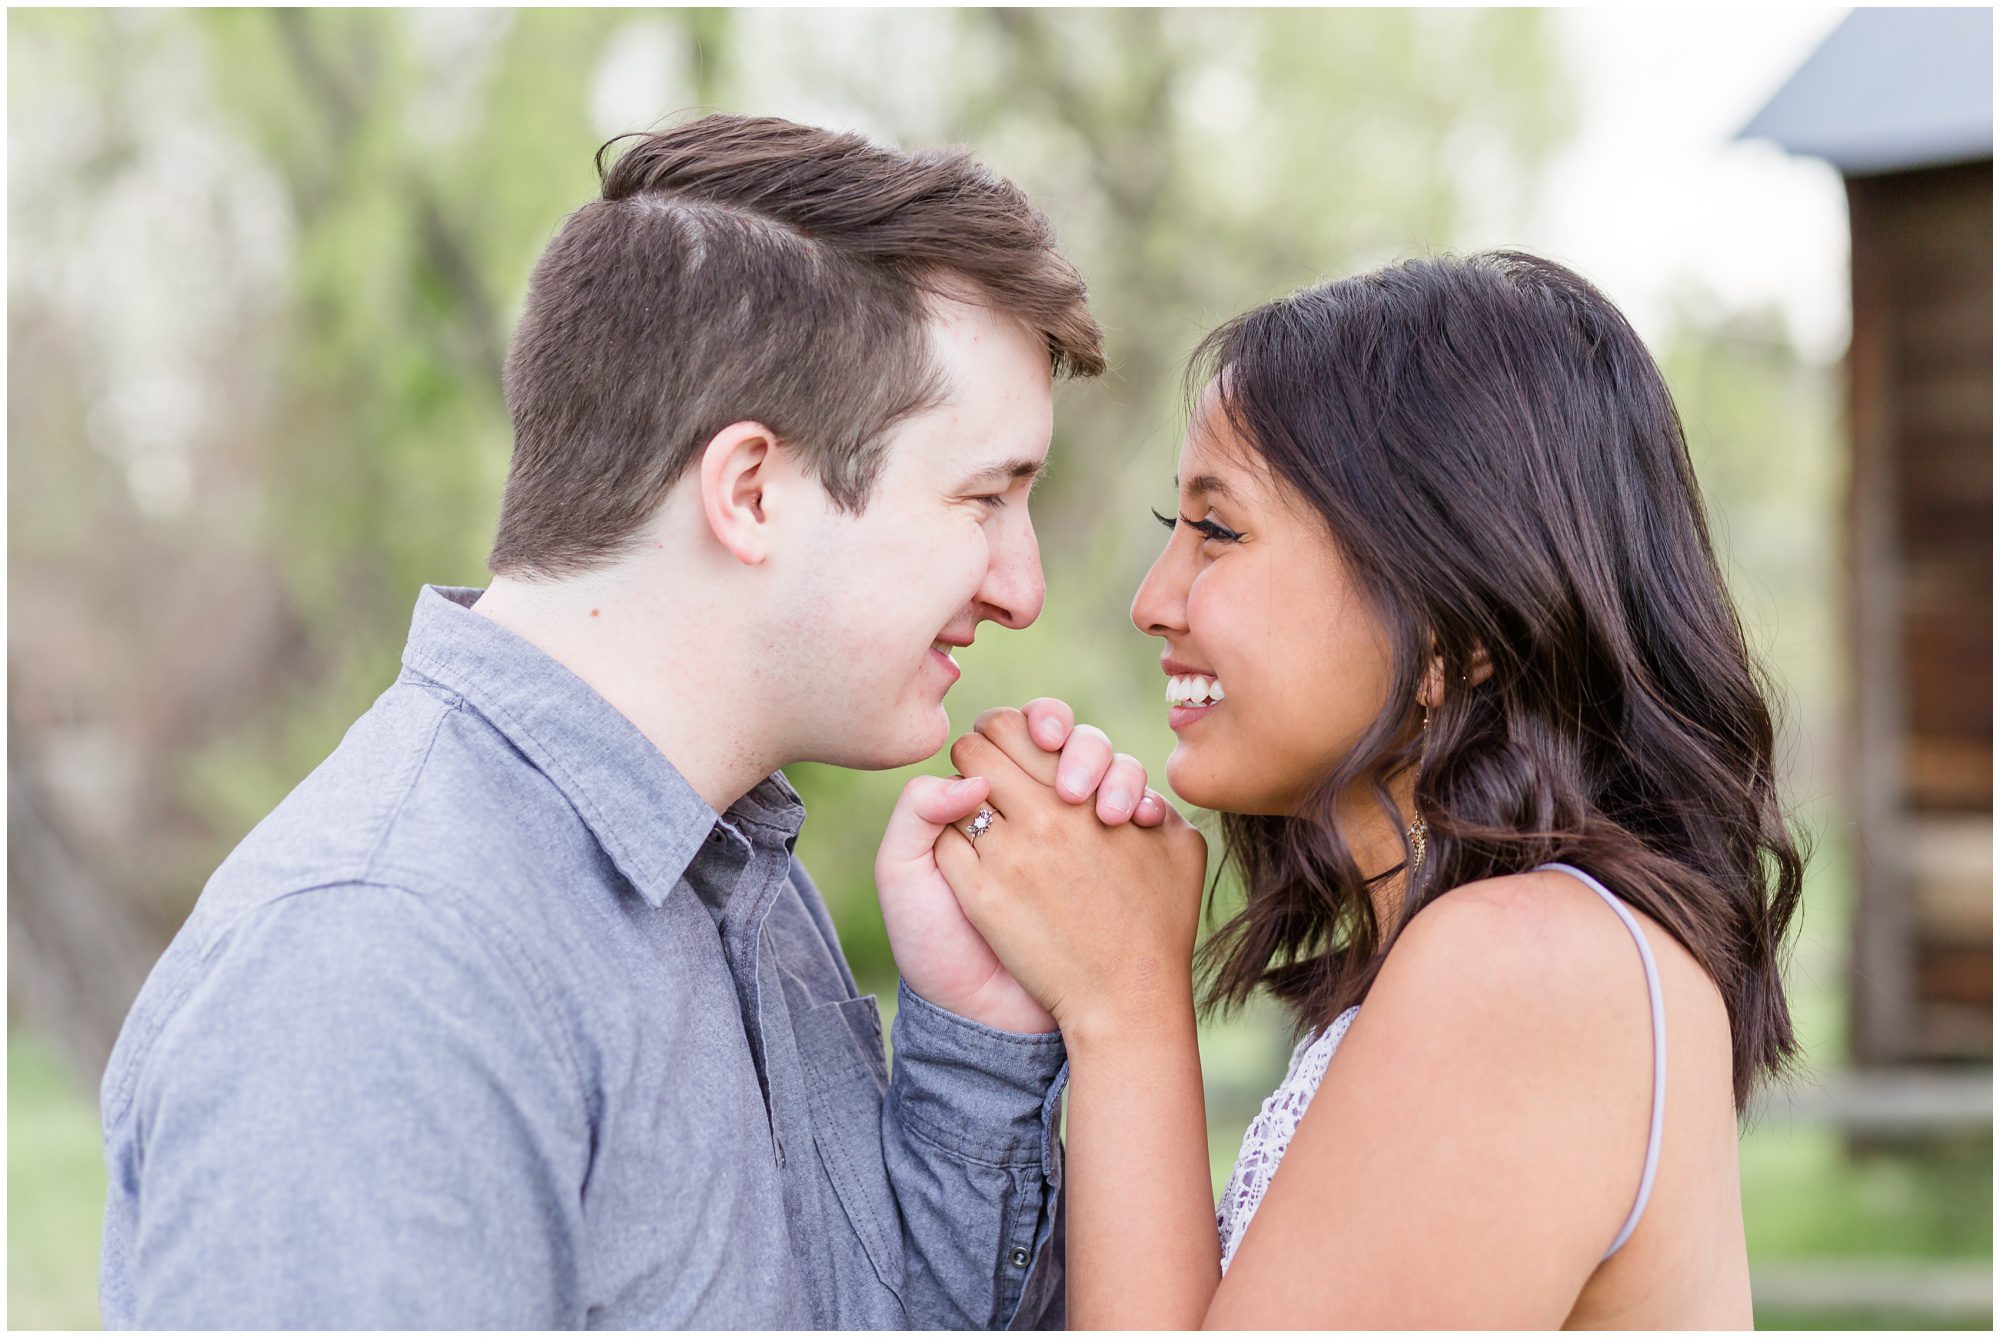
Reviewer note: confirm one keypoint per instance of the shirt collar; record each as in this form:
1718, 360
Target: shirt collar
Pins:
646, 816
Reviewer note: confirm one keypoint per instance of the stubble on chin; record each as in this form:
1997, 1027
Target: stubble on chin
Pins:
931, 738
884, 745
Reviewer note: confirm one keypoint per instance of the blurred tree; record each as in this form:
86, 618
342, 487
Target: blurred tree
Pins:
1762, 424
257, 344
265, 267
143, 617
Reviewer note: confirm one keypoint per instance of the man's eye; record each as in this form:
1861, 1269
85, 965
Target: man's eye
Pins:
996, 500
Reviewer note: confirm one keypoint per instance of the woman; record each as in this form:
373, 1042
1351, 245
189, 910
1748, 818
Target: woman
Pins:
1449, 650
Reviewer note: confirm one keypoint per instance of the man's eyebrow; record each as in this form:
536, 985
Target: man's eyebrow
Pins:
1206, 484
1005, 471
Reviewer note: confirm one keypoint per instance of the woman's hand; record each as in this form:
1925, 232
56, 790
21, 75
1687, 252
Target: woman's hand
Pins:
940, 955
1097, 923
1088, 766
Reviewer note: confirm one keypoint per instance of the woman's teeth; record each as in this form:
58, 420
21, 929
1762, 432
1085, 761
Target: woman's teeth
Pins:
1193, 690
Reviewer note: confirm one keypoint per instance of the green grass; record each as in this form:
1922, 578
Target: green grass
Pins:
55, 1192
1805, 1199
1806, 1202
1889, 1321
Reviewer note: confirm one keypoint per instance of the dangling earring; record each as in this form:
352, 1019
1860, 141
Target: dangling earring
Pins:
1418, 832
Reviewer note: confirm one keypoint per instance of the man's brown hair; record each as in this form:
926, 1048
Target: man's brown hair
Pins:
747, 268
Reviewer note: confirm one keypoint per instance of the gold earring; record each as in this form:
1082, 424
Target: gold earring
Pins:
1418, 832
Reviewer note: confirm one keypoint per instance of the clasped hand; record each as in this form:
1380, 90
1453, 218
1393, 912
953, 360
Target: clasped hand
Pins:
1080, 914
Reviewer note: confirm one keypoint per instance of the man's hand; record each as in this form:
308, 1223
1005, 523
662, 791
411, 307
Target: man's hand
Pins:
1097, 923
941, 956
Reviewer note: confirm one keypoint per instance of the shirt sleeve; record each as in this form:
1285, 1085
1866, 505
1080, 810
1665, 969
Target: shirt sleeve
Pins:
970, 1141
359, 1118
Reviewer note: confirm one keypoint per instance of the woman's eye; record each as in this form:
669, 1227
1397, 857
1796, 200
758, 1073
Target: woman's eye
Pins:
1207, 529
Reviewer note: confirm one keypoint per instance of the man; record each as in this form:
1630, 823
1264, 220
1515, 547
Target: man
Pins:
494, 1022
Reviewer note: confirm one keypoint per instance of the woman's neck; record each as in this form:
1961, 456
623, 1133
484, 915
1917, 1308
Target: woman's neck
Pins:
1377, 843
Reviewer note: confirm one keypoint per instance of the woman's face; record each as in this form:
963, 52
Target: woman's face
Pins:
1251, 594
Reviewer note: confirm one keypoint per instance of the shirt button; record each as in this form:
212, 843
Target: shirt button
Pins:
1018, 1257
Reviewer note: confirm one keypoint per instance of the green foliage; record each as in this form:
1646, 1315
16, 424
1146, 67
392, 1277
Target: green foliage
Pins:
424, 178
55, 1193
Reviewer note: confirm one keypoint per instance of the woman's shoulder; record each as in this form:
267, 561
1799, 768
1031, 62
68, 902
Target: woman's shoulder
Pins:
1531, 958
1495, 1089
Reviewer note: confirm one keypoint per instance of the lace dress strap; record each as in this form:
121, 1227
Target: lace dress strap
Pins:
1265, 1141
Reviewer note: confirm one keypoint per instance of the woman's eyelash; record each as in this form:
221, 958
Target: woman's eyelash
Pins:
1207, 529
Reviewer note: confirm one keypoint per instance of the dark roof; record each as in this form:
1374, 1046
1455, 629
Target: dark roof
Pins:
1888, 90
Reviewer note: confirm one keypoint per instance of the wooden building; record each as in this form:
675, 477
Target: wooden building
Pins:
1901, 103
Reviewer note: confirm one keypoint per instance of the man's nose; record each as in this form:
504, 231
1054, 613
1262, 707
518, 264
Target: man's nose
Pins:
1159, 608
1013, 592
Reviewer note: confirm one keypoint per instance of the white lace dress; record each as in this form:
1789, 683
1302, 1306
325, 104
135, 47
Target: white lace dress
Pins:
1265, 1141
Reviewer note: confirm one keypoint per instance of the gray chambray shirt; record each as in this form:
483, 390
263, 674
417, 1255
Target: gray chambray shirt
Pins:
492, 1024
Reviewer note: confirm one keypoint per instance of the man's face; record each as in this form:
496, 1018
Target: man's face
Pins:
944, 544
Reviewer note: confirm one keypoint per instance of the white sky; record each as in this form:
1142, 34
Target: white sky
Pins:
1655, 194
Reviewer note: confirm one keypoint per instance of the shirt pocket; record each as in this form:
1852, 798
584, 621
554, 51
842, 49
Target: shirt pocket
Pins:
846, 1077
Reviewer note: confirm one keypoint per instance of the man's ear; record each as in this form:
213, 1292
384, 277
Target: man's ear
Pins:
735, 469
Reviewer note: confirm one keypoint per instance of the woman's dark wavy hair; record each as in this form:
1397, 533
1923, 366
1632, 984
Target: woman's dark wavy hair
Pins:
1497, 458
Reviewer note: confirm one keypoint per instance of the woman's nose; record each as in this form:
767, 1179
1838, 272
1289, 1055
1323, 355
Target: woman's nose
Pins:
1159, 607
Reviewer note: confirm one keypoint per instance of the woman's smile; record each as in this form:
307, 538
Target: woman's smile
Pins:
1191, 694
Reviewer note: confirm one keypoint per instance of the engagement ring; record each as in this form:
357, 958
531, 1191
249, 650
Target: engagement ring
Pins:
982, 823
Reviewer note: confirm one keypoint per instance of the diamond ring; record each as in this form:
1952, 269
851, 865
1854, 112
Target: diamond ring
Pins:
982, 823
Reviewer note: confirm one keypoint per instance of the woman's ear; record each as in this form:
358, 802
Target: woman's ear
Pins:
736, 467
1482, 666
1433, 691
1431, 694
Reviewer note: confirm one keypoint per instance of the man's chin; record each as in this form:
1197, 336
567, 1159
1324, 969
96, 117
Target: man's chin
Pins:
929, 733
883, 746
